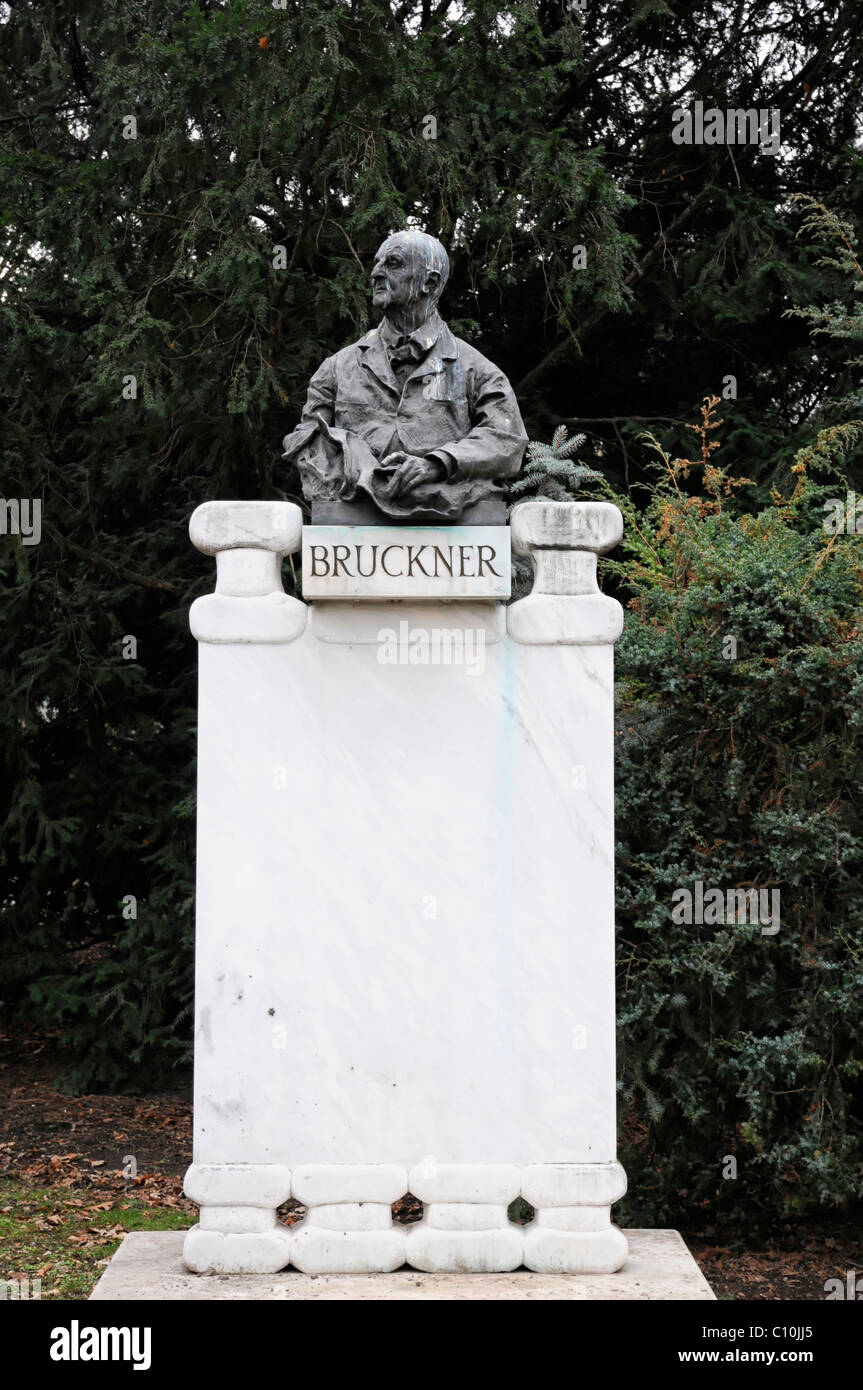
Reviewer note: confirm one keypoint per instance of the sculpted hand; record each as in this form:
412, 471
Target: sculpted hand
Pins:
410, 471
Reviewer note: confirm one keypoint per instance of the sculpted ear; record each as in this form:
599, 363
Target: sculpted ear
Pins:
431, 284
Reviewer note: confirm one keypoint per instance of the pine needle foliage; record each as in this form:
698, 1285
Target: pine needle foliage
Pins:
550, 471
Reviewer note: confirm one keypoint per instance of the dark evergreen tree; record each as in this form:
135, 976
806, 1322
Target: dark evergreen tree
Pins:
190, 195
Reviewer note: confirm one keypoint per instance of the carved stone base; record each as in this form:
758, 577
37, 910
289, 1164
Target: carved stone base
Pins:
349, 1227
550, 1251
572, 1231
495, 1250
212, 1252
319, 1251
239, 1232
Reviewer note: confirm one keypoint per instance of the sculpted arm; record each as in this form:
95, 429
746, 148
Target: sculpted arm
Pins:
494, 446
330, 460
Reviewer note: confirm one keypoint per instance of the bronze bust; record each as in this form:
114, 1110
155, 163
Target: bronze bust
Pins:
410, 424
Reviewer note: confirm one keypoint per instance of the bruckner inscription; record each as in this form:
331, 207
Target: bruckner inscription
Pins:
410, 424
364, 561
428, 562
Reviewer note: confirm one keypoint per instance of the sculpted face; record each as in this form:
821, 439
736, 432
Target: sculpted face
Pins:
393, 276
408, 274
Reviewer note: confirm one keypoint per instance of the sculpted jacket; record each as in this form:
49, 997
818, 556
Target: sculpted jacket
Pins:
453, 406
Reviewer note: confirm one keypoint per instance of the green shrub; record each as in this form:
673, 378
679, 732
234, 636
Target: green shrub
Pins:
739, 770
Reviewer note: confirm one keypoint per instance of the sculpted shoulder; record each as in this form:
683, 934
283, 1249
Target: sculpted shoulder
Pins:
340, 361
473, 360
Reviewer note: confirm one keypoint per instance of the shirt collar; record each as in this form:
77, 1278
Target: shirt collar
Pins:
425, 336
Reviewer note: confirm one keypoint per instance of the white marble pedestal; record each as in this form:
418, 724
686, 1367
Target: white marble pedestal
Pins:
405, 917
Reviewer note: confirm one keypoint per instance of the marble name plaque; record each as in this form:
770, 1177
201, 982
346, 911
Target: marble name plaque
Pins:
406, 562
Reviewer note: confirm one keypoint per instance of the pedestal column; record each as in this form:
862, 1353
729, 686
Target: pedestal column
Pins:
405, 916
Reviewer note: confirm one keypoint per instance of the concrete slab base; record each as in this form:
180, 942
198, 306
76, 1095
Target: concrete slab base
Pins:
149, 1266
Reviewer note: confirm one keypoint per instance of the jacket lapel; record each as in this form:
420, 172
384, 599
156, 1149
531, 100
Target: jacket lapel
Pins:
374, 358
443, 351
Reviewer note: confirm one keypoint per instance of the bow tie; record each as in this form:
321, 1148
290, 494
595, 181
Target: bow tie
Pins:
404, 352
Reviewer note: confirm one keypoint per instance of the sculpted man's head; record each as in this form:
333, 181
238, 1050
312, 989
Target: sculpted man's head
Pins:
408, 277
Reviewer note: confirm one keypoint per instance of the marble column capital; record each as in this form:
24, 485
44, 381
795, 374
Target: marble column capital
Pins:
565, 606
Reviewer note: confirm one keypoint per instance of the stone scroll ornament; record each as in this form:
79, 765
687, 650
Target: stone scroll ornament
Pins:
410, 424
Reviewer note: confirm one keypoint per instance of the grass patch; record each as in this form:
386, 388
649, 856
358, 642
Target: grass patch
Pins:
65, 1237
